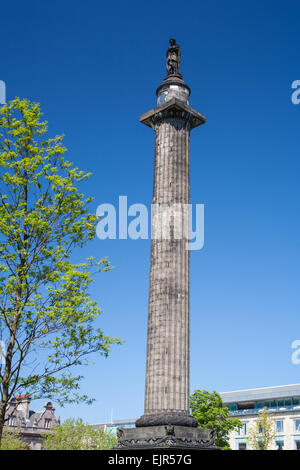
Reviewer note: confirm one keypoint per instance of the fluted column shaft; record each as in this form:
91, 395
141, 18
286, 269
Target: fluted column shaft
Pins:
167, 368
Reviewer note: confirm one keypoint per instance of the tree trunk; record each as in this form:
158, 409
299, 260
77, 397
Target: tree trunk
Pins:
2, 419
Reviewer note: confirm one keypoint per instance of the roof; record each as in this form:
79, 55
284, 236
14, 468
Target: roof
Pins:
261, 394
35, 416
118, 422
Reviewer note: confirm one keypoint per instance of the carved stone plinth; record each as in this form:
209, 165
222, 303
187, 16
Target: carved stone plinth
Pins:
166, 437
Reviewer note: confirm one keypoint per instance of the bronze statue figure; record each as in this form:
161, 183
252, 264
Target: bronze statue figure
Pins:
173, 58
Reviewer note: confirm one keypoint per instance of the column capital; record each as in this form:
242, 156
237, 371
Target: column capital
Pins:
173, 108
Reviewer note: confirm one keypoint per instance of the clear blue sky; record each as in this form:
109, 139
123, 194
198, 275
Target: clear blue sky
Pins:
94, 67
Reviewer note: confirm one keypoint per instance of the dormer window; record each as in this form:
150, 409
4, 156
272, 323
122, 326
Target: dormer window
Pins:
47, 423
11, 420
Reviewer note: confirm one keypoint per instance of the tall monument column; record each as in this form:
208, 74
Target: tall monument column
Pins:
166, 422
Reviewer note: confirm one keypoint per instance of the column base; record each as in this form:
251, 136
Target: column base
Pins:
166, 437
175, 418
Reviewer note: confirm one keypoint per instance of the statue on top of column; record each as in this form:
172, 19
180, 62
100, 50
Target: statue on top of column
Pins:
173, 58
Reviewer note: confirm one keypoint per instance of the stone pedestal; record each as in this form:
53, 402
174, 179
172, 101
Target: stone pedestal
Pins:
165, 437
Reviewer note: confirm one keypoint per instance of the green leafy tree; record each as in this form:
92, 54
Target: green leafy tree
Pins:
262, 433
12, 440
208, 409
76, 435
46, 314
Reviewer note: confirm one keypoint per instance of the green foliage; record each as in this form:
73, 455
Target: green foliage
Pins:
12, 440
76, 435
262, 433
207, 408
47, 318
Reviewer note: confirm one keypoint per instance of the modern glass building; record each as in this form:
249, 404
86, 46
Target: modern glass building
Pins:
282, 402
114, 425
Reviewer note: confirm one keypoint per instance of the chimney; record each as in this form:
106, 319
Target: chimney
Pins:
23, 403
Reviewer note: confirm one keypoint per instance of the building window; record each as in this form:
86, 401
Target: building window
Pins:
47, 423
260, 444
232, 408
260, 404
243, 431
279, 444
297, 444
260, 429
241, 444
297, 425
279, 425
11, 420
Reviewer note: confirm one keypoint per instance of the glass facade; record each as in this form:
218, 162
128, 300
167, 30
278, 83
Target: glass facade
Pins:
271, 405
114, 426
232, 408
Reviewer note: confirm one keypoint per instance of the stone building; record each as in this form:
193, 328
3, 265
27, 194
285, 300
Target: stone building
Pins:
32, 425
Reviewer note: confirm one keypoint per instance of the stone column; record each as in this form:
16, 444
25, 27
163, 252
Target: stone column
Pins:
167, 367
166, 421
